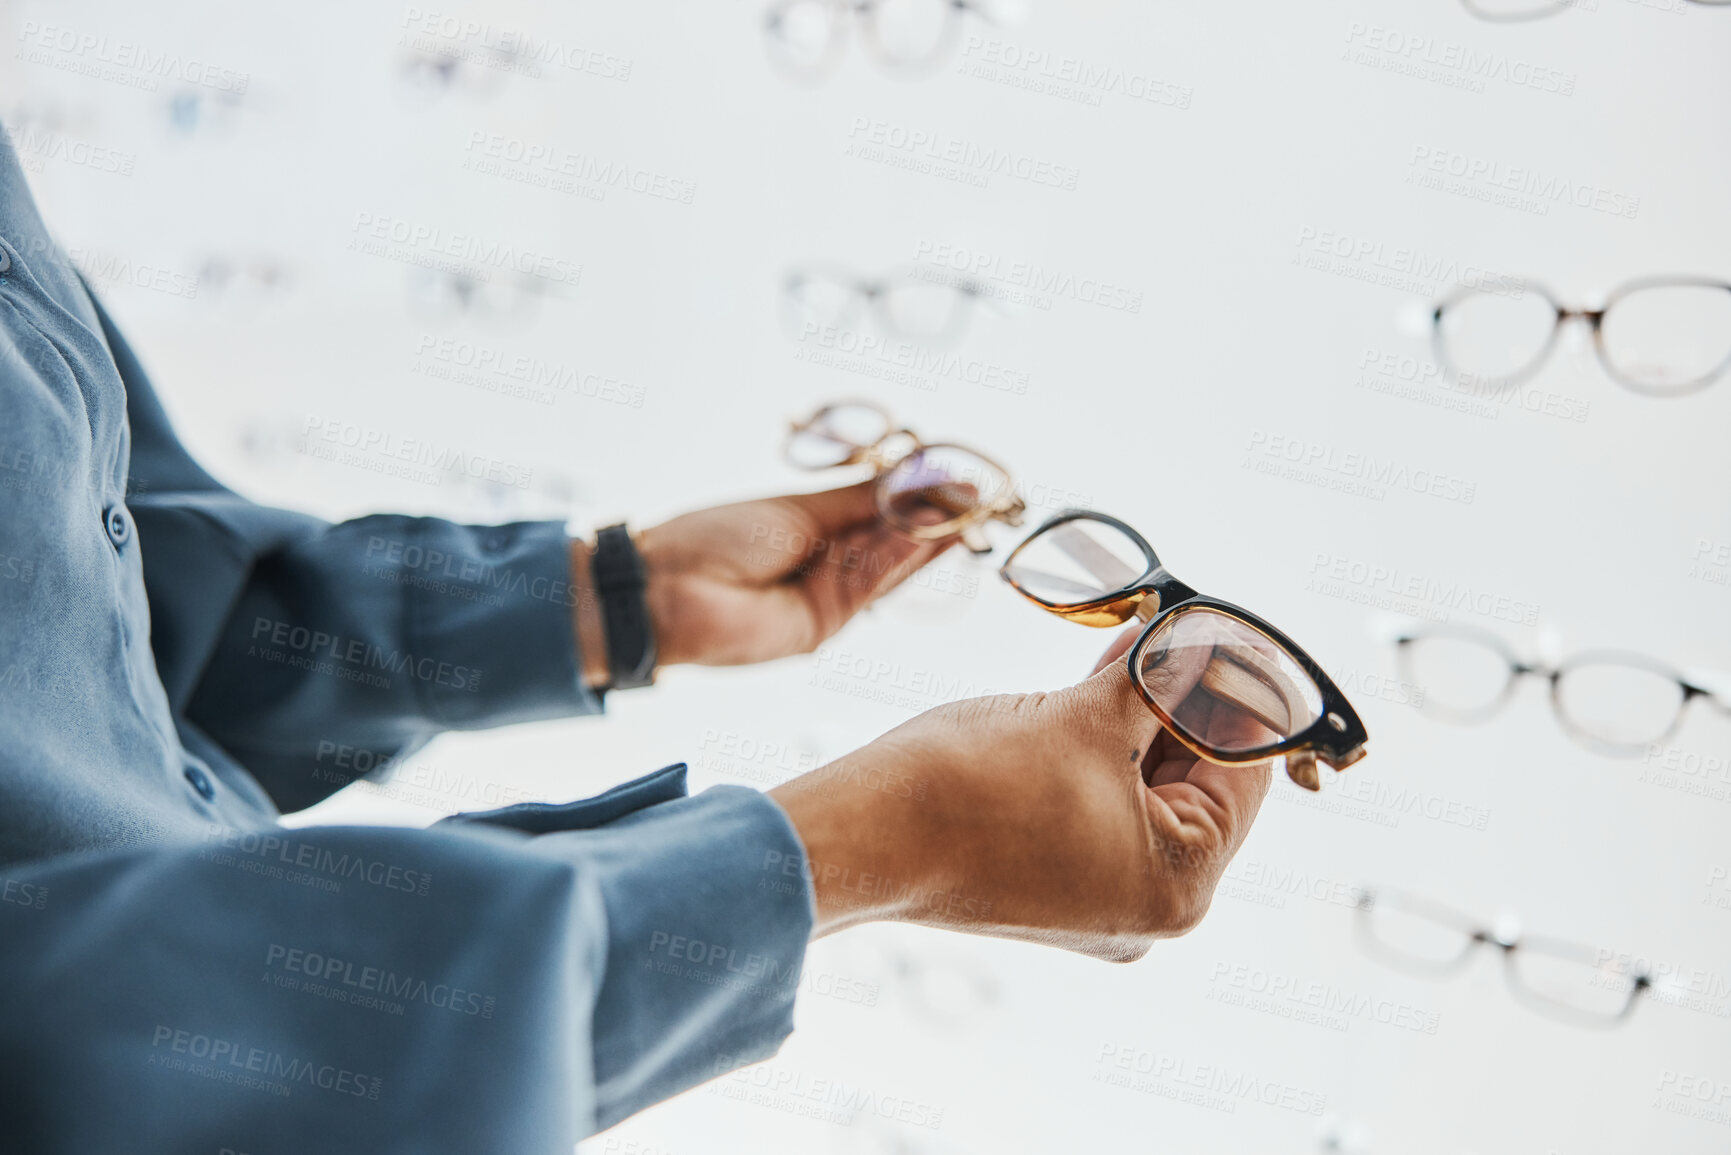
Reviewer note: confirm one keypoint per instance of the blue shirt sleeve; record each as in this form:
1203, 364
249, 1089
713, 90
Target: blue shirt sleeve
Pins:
501, 982
282, 635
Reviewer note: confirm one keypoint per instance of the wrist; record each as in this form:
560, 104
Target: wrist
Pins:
586, 614
660, 598
863, 845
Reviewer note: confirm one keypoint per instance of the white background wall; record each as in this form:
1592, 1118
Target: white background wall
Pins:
1214, 214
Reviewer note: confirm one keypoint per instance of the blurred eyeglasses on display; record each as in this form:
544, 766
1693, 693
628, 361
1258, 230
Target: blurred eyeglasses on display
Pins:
237, 278
1662, 336
444, 295
927, 491
905, 304
805, 38
1585, 985
1507, 11
428, 75
191, 111
1611, 701
1229, 686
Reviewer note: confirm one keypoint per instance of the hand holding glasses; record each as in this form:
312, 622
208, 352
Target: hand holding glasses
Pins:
1227, 685
1613, 702
1662, 336
1569, 981
926, 491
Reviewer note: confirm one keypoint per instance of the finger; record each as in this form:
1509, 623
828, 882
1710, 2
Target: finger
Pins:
907, 556
858, 567
1229, 796
832, 510
1119, 647
877, 559
1113, 715
1169, 760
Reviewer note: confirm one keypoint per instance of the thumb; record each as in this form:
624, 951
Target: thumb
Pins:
1120, 645
1109, 712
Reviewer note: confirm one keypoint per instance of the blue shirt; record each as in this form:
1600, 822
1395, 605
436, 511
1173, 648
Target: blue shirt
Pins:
178, 666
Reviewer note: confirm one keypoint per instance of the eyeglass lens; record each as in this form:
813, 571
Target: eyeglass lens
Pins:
939, 485
1224, 684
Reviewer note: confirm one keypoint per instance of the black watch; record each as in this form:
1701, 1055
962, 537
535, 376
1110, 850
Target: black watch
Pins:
619, 575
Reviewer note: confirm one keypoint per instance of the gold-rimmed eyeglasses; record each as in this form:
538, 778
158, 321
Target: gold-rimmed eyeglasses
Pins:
927, 490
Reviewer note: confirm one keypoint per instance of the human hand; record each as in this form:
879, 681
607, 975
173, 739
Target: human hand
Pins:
1070, 818
758, 580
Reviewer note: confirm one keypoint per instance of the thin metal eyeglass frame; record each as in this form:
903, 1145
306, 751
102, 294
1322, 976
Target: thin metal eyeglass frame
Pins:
1594, 319
1517, 669
1337, 736
872, 294
865, 14
1546, 11
1008, 508
1474, 936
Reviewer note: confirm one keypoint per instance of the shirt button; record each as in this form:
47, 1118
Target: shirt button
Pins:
118, 524
201, 783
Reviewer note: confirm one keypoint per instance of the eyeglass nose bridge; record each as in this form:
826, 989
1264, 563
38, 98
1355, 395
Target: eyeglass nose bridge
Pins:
1593, 317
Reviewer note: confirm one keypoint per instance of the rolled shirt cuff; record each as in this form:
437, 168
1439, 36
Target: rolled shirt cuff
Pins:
498, 613
709, 909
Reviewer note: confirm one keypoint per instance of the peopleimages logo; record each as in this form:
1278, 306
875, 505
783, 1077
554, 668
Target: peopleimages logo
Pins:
1067, 77
351, 980
1360, 474
1427, 271
229, 1061
33, 144
1119, 1065
1381, 585
107, 58
1457, 65
1432, 166
1024, 282
1307, 1000
555, 161
303, 647
808, 1096
447, 34
266, 853
423, 244
880, 140
331, 439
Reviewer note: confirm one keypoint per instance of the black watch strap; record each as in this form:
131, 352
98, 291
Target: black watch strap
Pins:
619, 576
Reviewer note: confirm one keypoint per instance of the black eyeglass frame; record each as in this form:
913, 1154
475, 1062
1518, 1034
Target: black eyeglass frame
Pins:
1337, 737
